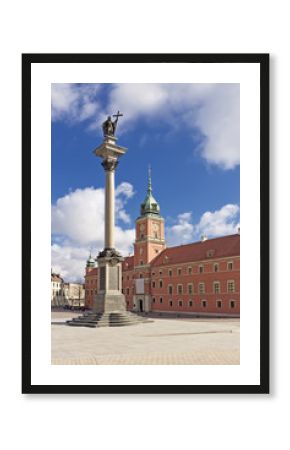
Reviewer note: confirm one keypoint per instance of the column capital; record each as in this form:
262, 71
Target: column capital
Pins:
110, 164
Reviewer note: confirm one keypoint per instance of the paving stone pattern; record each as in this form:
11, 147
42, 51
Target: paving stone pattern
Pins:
164, 341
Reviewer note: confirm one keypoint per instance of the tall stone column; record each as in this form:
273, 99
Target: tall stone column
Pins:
109, 307
110, 166
110, 297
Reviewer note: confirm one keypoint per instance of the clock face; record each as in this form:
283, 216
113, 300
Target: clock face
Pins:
155, 227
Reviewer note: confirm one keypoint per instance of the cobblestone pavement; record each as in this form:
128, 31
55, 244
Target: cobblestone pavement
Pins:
164, 341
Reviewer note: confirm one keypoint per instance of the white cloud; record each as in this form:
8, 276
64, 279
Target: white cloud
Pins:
69, 261
219, 223
182, 232
74, 103
80, 216
219, 120
137, 99
222, 222
126, 189
123, 192
212, 108
78, 225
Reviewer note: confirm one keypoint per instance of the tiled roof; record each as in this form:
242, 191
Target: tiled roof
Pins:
128, 264
56, 277
225, 246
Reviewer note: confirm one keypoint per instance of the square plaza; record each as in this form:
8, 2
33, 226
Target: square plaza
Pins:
209, 341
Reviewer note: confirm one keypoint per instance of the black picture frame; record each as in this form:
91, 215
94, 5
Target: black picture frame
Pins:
263, 61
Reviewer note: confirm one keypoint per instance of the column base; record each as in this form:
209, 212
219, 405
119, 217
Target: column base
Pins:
109, 303
107, 319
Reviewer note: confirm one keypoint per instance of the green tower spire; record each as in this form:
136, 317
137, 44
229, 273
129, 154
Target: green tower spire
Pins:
150, 207
90, 261
149, 190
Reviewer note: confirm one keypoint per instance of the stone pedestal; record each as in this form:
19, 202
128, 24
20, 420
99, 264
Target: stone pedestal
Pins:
109, 297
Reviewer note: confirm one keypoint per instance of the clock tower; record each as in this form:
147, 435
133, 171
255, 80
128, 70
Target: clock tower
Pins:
149, 230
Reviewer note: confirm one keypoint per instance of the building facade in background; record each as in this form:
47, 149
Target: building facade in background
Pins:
201, 278
74, 295
66, 294
56, 289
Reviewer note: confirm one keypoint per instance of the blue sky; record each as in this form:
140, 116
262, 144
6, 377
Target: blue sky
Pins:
189, 134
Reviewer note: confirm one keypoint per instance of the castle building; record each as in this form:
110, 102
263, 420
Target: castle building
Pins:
200, 278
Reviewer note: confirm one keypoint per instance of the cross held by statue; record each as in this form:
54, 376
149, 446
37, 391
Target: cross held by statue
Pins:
118, 115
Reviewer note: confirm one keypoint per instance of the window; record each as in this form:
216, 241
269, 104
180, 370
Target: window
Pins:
153, 300
141, 275
201, 288
141, 263
232, 304
216, 287
160, 272
160, 283
204, 303
160, 300
170, 289
190, 289
153, 284
170, 272
155, 235
219, 304
231, 286
216, 267
200, 269
128, 277
170, 303
153, 273
179, 289
179, 302
141, 235
127, 291
190, 303
230, 265
189, 270
178, 271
